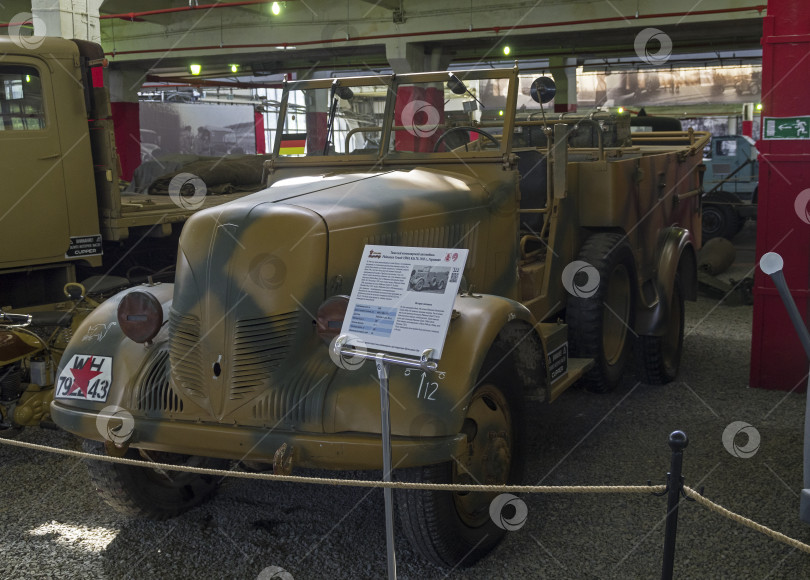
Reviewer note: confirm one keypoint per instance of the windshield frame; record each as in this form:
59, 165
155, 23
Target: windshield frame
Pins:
392, 82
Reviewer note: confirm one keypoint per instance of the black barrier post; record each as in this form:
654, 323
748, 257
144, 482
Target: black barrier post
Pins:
677, 442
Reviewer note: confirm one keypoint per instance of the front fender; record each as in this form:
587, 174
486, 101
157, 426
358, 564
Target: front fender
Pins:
100, 335
677, 258
426, 404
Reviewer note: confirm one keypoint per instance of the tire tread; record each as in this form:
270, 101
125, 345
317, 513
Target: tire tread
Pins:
584, 315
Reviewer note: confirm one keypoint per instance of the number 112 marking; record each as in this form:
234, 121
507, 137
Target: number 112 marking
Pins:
427, 385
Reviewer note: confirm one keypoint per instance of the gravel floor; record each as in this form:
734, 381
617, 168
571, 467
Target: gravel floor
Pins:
53, 525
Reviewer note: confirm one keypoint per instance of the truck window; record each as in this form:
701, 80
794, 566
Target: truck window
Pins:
21, 105
726, 147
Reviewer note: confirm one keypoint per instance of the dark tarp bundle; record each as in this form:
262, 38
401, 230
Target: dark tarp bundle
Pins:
221, 175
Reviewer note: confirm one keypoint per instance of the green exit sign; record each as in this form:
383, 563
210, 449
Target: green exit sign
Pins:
786, 127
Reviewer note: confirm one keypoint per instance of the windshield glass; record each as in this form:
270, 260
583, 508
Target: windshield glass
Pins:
459, 115
356, 127
463, 113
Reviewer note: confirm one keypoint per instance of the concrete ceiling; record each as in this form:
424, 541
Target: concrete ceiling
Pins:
367, 34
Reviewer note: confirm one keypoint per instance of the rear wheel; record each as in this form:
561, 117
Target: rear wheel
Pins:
600, 323
455, 528
151, 493
659, 357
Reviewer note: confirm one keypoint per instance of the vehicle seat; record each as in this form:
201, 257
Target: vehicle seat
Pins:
533, 170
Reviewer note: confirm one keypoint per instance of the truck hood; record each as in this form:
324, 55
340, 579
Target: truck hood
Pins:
252, 273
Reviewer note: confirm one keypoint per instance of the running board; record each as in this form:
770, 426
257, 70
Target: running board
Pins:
576, 368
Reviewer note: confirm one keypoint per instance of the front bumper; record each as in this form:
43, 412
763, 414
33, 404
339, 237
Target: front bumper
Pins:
312, 450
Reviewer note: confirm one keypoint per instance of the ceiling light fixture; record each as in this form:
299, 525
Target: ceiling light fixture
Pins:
275, 8
195, 69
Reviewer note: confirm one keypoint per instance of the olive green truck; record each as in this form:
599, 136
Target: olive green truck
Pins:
60, 202
63, 217
581, 239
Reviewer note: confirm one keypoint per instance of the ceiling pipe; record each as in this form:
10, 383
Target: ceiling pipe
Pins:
138, 16
496, 29
134, 16
181, 81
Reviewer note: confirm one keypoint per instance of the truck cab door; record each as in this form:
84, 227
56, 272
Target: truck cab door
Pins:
33, 205
726, 157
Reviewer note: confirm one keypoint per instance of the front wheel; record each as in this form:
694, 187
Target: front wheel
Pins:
152, 493
455, 528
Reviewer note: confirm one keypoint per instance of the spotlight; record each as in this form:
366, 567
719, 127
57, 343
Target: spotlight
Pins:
234, 68
506, 50
195, 69
759, 106
275, 8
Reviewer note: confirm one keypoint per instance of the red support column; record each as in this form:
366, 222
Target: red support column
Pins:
258, 126
748, 129
777, 358
127, 123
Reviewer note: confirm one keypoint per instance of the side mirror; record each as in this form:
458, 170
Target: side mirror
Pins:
344, 93
456, 85
543, 90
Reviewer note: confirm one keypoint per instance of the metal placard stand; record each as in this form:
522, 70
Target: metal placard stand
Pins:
771, 263
344, 352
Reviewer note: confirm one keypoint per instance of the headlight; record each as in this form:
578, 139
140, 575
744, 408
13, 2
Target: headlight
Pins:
330, 317
140, 316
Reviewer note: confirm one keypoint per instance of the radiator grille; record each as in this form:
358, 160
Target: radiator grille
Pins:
459, 235
155, 394
260, 345
185, 353
299, 399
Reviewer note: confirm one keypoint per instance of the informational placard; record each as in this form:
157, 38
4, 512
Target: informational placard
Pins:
774, 128
403, 298
84, 246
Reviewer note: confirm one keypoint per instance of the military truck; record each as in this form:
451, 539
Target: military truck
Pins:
731, 182
579, 257
63, 217
61, 200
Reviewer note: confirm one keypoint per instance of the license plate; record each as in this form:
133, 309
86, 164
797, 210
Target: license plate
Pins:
85, 377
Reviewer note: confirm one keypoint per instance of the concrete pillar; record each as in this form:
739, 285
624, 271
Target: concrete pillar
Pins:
407, 57
564, 72
124, 86
67, 19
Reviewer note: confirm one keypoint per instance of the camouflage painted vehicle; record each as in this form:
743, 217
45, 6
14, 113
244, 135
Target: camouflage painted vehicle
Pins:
580, 242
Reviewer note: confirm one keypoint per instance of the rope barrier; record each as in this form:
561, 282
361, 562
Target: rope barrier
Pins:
345, 482
691, 493
742, 520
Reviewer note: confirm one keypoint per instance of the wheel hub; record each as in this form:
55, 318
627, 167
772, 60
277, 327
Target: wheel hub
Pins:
488, 458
